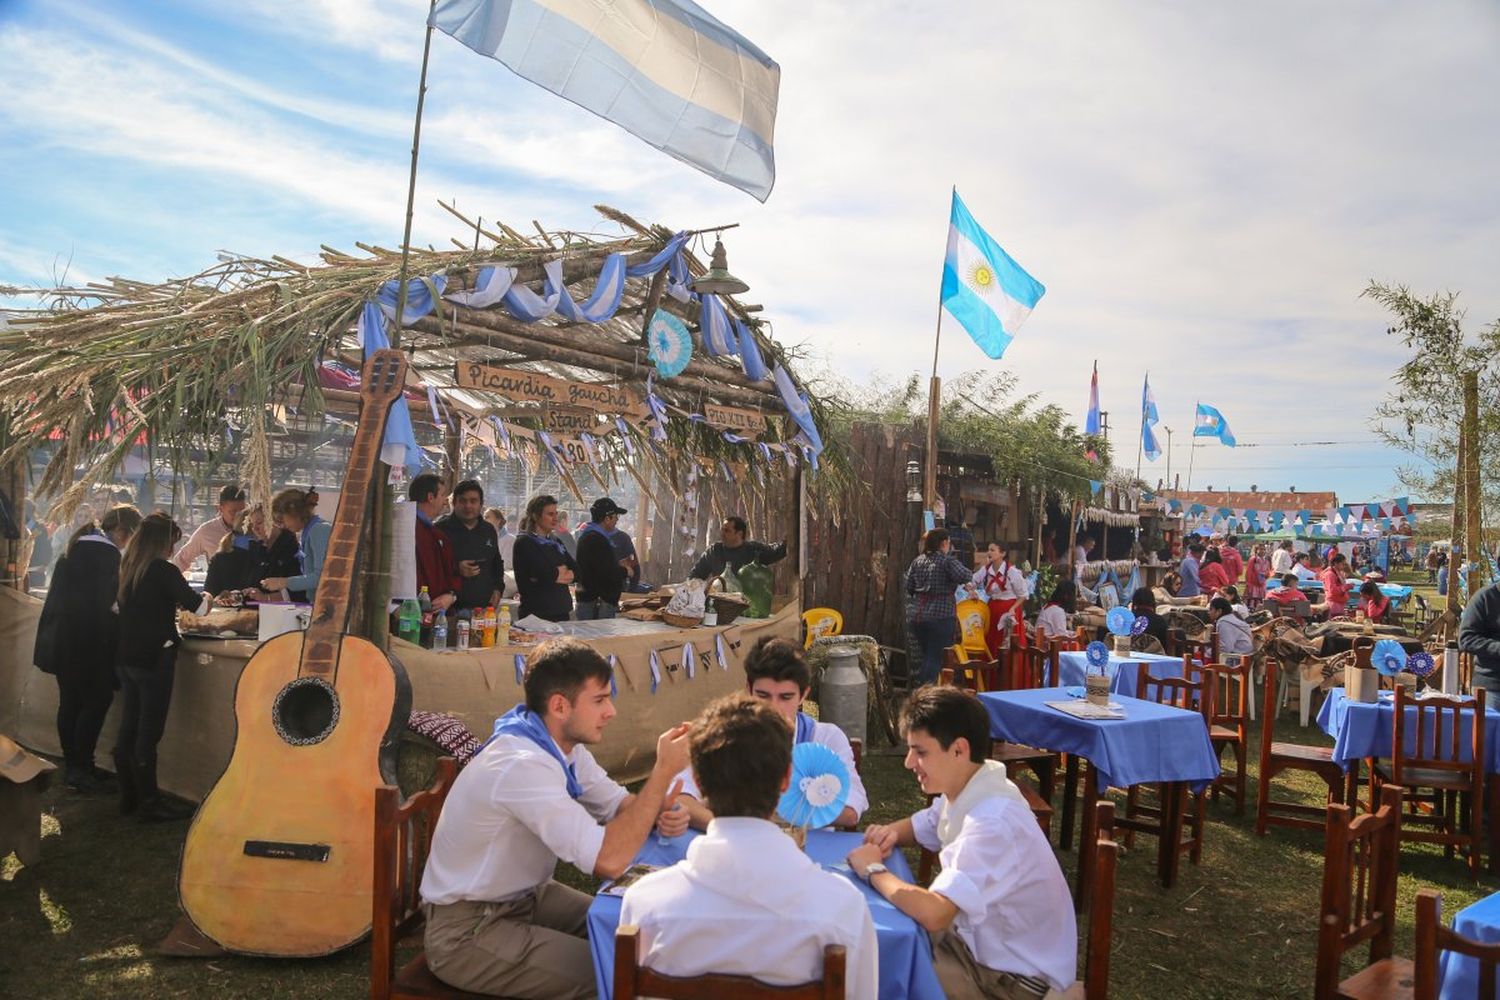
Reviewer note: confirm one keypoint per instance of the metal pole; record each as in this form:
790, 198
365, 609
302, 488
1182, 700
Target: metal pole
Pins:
1140, 441
1169, 454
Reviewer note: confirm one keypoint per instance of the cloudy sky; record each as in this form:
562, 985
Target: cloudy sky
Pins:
1205, 189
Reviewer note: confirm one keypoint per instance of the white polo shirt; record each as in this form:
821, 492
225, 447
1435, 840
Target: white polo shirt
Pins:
1053, 621
833, 738
1007, 586
1014, 909
509, 818
746, 901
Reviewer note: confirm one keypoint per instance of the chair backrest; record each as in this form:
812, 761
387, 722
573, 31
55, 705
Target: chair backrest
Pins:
974, 623
1360, 862
1433, 938
403, 836
1179, 692
1230, 690
1428, 734
1101, 906
633, 980
821, 622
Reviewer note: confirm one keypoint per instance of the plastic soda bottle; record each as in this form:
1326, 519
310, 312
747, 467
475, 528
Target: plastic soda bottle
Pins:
424, 600
409, 621
489, 626
463, 627
503, 628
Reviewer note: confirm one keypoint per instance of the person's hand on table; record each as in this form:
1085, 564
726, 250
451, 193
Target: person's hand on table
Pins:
444, 602
274, 583
673, 820
863, 856
468, 567
883, 838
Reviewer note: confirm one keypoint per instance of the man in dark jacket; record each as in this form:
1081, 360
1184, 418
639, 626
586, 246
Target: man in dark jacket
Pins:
1479, 634
476, 547
601, 572
735, 550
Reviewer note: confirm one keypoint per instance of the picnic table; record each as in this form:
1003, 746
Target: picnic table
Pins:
1123, 671
906, 971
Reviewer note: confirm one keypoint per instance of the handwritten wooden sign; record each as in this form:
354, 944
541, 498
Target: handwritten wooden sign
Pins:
730, 418
601, 397
573, 420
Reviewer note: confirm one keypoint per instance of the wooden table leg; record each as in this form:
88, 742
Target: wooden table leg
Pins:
1492, 817
1088, 833
1069, 803
1173, 795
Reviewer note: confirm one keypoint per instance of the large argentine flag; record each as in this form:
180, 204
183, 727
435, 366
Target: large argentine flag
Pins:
1149, 419
1209, 422
665, 70
988, 293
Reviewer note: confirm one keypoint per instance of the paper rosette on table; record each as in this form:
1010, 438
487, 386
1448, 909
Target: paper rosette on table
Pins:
1119, 620
1140, 625
1421, 664
818, 789
1097, 654
1388, 657
671, 346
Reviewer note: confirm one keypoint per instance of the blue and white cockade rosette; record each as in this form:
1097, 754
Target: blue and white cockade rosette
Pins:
818, 789
1388, 657
1096, 680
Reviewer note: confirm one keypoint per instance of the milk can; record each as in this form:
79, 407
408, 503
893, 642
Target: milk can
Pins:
843, 692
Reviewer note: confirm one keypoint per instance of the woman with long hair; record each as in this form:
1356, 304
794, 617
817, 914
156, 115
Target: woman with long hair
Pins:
290, 512
76, 639
151, 591
1212, 576
930, 582
541, 564
240, 563
1256, 571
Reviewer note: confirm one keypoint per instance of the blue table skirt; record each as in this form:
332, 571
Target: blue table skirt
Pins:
1458, 975
1398, 594
1152, 743
1361, 729
1074, 665
905, 952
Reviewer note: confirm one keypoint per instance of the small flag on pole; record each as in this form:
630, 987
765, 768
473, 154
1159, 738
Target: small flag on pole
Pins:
988, 293
1209, 422
1091, 423
1149, 419
664, 70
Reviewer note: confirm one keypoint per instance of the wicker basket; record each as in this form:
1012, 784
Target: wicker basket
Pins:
727, 608
680, 621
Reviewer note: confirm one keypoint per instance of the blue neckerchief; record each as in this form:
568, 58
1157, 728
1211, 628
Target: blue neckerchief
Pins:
423, 517
597, 527
549, 540
520, 721
805, 726
243, 541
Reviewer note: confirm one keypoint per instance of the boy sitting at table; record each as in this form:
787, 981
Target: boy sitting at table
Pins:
497, 922
1287, 593
746, 900
776, 673
1000, 912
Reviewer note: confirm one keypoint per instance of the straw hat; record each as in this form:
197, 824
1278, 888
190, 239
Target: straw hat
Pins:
20, 765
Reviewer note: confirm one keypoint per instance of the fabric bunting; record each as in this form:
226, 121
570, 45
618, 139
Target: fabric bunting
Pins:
801, 412
718, 334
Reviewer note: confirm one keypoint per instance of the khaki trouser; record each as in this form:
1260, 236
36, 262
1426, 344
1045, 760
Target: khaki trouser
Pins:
532, 948
963, 978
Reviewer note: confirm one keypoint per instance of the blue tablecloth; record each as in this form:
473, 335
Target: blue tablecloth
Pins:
1152, 743
1458, 975
905, 952
1399, 595
1361, 729
1073, 666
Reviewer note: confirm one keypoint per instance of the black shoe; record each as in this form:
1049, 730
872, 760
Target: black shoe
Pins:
163, 810
129, 794
82, 780
106, 780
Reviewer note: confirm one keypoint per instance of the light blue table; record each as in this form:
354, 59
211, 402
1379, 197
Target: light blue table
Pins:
1362, 729
906, 971
1458, 975
1074, 665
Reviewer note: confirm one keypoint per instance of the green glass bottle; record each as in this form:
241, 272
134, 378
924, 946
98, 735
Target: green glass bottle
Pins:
758, 584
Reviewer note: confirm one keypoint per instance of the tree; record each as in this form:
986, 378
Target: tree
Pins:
1421, 415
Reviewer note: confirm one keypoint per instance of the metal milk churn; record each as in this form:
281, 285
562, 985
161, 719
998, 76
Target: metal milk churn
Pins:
843, 692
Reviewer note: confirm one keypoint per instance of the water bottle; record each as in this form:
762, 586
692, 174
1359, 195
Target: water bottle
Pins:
409, 621
502, 627
424, 601
440, 633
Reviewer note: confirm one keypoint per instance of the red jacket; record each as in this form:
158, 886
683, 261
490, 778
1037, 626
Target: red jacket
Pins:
1234, 563
1212, 578
1336, 589
436, 568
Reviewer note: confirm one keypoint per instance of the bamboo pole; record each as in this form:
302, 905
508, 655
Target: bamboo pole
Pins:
1455, 539
1473, 497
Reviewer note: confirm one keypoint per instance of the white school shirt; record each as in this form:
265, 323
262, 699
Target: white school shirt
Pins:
1052, 620
833, 738
202, 542
1305, 574
509, 818
1281, 562
1014, 909
1011, 586
746, 901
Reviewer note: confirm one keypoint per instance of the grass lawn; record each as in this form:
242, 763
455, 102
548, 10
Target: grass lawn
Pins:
85, 921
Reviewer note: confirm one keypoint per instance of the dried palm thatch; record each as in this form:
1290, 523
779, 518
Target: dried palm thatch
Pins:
181, 361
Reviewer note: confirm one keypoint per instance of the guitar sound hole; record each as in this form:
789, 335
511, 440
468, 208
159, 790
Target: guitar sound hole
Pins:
306, 711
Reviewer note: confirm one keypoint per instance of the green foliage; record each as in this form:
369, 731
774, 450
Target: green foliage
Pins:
1421, 414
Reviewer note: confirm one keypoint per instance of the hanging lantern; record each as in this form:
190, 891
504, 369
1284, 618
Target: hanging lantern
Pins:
718, 280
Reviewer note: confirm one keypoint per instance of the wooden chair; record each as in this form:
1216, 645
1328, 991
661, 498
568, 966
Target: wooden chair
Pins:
634, 981
1434, 764
1229, 726
403, 836
1178, 692
1101, 906
1433, 938
1278, 757
1360, 861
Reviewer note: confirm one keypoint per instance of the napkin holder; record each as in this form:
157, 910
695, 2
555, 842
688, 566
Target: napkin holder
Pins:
1122, 646
1096, 687
1362, 684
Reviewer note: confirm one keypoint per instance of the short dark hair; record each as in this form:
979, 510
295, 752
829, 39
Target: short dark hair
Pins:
777, 659
738, 522
1195, 546
1221, 605
561, 666
1289, 580
425, 486
1369, 589
945, 713
1144, 596
469, 486
1233, 539
1064, 590
1211, 555
1230, 593
934, 539
741, 750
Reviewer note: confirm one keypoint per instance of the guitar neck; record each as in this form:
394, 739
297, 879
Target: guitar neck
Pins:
331, 604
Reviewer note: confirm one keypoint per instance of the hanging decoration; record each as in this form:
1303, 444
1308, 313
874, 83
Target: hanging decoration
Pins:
671, 346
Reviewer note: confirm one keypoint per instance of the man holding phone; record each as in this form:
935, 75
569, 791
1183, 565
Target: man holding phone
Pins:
475, 547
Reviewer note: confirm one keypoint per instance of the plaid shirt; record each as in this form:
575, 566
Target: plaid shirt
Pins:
930, 582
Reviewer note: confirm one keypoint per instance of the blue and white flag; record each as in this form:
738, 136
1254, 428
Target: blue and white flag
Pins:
666, 71
1091, 420
1209, 422
988, 293
1149, 419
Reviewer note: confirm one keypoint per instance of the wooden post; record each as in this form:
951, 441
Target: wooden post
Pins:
1073, 539
1455, 603
929, 491
1473, 497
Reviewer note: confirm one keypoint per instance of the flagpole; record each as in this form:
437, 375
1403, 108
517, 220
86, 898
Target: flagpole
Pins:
411, 184
1192, 448
1140, 441
929, 490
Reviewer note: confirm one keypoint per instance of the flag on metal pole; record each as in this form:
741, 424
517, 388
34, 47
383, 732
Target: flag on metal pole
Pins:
1209, 422
1149, 419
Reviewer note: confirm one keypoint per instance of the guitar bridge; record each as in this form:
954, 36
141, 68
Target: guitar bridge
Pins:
283, 851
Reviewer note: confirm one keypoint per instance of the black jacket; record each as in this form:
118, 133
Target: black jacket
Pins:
536, 562
237, 569
719, 555
1479, 634
78, 630
600, 575
481, 545
148, 615
281, 560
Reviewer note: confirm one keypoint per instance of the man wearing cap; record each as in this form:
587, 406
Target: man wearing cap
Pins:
205, 541
601, 572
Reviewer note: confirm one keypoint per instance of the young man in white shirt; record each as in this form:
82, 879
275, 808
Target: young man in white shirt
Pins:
747, 901
497, 923
205, 540
1000, 912
776, 673
1281, 559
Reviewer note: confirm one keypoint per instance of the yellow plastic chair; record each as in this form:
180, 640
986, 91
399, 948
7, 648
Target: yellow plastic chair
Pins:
821, 622
974, 624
